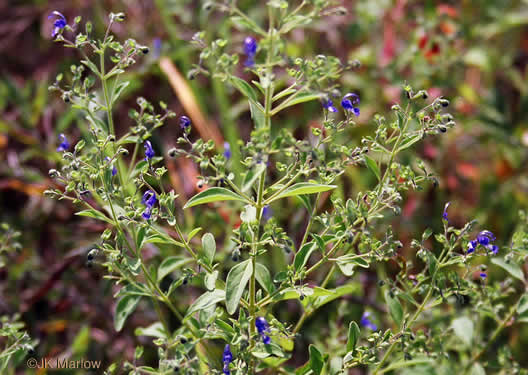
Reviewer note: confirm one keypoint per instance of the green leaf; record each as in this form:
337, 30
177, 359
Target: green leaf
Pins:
193, 233
92, 67
293, 293
214, 194
210, 280
432, 262
330, 295
302, 256
162, 238
316, 360
245, 88
464, 329
303, 188
205, 301
409, 141
320, 242
209, 247
154, 330
373, 167
301, 98
305, 201
140, 237
125, 306
247, 23
347, 263
95, 215
511, 267
522, 309
353, 336
119, 90
263, 276
171, 264
236, 282
395, 308
477, 369
283, 93
294, 22
81, 342
257, 115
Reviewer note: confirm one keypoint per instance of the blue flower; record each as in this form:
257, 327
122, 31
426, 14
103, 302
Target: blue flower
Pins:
366, 322
485, 237
185, 122
227, 150
157, 47
263, 329
59, 24
350, 102
493, 248
444, 214
147, 213
250, 49
328, 104
114, 169
472, 246
149, 151
227, 358
64, 144
267, 212
483, 275
149, 200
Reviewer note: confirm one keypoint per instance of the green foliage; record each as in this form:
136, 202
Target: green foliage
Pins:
311, 264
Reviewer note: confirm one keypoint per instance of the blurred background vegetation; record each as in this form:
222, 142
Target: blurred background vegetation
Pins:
474, 52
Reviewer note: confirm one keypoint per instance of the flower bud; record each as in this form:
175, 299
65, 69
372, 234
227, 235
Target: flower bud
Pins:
443, 102
53, 173
235, 255
173, 152
422, 94
91, 255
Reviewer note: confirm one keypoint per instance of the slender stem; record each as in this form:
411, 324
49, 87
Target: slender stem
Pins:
252, 281
494, 336
310, 222
268, 98
443, 256
108, 104
309, 310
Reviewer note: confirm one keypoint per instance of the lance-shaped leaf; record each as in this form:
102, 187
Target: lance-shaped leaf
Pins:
95, 215
316, 360
263, 277
353, 336
236, 282
302, 256
125, 307
373, 167
214, 194
522, 309
209, 247
205, 301
395, 308
511, 267
170, 264
301, 189
245, 88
